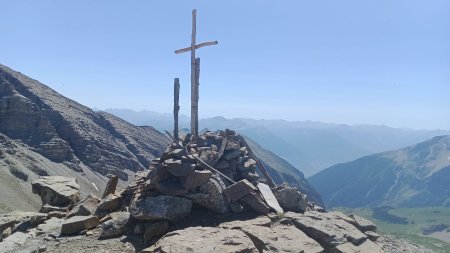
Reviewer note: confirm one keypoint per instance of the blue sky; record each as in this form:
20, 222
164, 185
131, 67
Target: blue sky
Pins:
355, 62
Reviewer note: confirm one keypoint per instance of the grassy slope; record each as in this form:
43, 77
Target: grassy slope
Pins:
418, 218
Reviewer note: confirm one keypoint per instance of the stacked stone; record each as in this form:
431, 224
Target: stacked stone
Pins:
182, 176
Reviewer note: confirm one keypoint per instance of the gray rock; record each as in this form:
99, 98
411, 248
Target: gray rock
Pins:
232, 145
195, 179
110, 186
86, 207
277, 238
373, 236
179, 169
116, 226
327, 229
210, 195
366, 246
57, 190
154, 229
14, 242
290, 199
109, 204
270, 199
21, 221
178, 153
48, 208
160, 207
50, 226
363, 224
77, 224
239, 189
171, 186
204, 240
232, 154
256, 202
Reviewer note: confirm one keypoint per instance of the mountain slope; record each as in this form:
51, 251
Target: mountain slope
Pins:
308, 146
282, 171
414, 176
47, 133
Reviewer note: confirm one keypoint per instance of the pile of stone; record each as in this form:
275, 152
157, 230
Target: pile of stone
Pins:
217, 171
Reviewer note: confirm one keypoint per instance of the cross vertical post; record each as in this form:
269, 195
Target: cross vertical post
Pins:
176, 108
195, 73
194, 103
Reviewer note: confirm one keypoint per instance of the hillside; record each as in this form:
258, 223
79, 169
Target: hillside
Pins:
308, 146
415, 176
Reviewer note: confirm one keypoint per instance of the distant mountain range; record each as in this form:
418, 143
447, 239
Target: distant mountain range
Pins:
415, 176
45, 133
308, 146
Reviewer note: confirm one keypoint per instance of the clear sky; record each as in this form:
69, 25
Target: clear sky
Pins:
356, 62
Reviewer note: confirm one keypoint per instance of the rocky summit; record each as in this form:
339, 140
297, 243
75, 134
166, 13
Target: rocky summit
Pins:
201, 195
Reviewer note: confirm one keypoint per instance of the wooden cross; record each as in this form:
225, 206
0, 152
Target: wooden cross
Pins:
195, 72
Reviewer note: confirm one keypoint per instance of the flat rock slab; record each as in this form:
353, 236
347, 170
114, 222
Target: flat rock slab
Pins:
109, 204
204, 240
178, 168
269, 197
57, 190
239, 189
277, 238
18, 219
50, 226
367, 246
86, 207
195, 179
14, 242
163, 207
256, 202
327, 229
79, 223
363, 224
171, 186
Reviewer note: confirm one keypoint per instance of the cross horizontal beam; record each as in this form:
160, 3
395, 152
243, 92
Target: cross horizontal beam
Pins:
204, 44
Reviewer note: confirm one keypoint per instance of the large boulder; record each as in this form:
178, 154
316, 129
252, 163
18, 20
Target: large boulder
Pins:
111, 203
57, 190
77, 224
163, 207
290, 199
154, 229
204, 240
210, 195
86, 207
329, 229
116, 226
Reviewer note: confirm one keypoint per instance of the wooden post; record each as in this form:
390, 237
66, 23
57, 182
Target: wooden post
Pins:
197, 84
176, 107
194, 106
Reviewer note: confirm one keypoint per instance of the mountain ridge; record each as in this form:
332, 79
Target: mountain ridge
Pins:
415, 176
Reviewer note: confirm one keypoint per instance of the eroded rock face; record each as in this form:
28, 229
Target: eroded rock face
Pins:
63, 130
57, 190
204, 240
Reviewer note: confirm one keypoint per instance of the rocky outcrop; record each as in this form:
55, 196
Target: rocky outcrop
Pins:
57, 191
